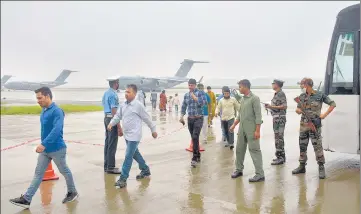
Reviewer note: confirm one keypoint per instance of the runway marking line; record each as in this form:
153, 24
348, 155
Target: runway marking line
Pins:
80, 142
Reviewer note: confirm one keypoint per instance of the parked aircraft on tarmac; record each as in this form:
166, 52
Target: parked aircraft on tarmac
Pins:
4, 79
148, 84
24, 85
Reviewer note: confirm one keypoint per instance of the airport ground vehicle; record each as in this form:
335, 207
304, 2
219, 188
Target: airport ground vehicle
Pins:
341, 130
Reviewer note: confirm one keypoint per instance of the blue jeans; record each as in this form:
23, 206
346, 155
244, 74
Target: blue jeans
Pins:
59, 158
130, 153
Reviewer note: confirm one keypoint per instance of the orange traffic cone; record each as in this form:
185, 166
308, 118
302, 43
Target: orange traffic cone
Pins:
190, 148
49, 174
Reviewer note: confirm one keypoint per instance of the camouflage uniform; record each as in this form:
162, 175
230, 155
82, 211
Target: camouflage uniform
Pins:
312, 106
279, 123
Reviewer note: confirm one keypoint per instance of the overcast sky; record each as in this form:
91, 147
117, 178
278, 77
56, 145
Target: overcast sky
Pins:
102, 39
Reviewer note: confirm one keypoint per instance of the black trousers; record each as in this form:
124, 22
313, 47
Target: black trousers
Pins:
195, 127
110, 146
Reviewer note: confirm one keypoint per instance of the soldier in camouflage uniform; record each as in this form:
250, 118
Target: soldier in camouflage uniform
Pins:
311, 105
278, 111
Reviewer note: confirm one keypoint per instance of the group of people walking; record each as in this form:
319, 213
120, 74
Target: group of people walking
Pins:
244, 111
163, 101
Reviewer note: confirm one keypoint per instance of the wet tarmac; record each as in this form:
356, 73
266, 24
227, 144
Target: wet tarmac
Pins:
174, 186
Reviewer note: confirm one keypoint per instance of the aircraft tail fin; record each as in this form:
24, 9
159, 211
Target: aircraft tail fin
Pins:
186, 66
5, 78
63, 75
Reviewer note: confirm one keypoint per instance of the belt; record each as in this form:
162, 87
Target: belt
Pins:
108, 115
275, 116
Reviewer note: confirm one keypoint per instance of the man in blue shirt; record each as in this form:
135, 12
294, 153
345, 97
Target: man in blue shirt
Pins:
110, 104
52, 147
132, 113
194, 101
205, 113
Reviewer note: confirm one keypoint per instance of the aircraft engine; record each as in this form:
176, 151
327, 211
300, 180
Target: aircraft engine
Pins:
145, 81
161, 82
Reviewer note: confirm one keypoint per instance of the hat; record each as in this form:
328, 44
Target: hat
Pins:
114, 78
307, 81
192, 81
278, 82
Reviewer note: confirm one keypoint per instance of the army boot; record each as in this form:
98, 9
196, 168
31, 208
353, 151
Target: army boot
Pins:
278, 161
321, 171
300, 169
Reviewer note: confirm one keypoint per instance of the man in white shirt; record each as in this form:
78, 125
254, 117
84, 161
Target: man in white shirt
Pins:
132, 113
229, 108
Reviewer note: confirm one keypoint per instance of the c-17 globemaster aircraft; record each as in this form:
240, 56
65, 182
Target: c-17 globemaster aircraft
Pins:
148, 84
4, 79
32, 86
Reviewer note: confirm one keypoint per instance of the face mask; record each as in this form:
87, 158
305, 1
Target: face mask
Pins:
303, 90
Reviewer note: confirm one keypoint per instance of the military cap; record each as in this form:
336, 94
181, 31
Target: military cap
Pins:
225, 89
278, 82
307, 81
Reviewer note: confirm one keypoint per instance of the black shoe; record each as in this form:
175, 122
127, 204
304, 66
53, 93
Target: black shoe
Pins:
256, 178
231, 147
236, 174
70, 196
114, 171
198, 160
143, 174
21, 201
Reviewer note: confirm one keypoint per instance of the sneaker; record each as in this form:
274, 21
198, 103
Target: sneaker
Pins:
236, 174
143, 174
121, 183
70, 196
21, 201
256, 178
114, 171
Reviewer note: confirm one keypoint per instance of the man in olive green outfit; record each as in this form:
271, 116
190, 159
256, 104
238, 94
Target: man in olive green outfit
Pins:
250, 120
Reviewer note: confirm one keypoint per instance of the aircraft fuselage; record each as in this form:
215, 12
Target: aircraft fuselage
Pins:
30, 86
148, 85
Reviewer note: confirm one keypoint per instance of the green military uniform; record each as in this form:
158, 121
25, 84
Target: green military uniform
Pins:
312, 105
279, 123
249, 115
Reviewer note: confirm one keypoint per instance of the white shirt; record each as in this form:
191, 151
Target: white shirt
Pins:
132, 114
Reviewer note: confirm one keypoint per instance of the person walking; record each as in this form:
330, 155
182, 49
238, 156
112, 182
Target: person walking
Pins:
170, 103
110, 104
213, 105
176, 102
249, 120
141, 97
163, 101
224, 139
153, 99
132, 113
193, 103
206, 112
52, 147
229, 107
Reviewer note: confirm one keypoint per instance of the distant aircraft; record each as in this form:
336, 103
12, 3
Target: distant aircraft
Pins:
32, 86
148, 84
4, 79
